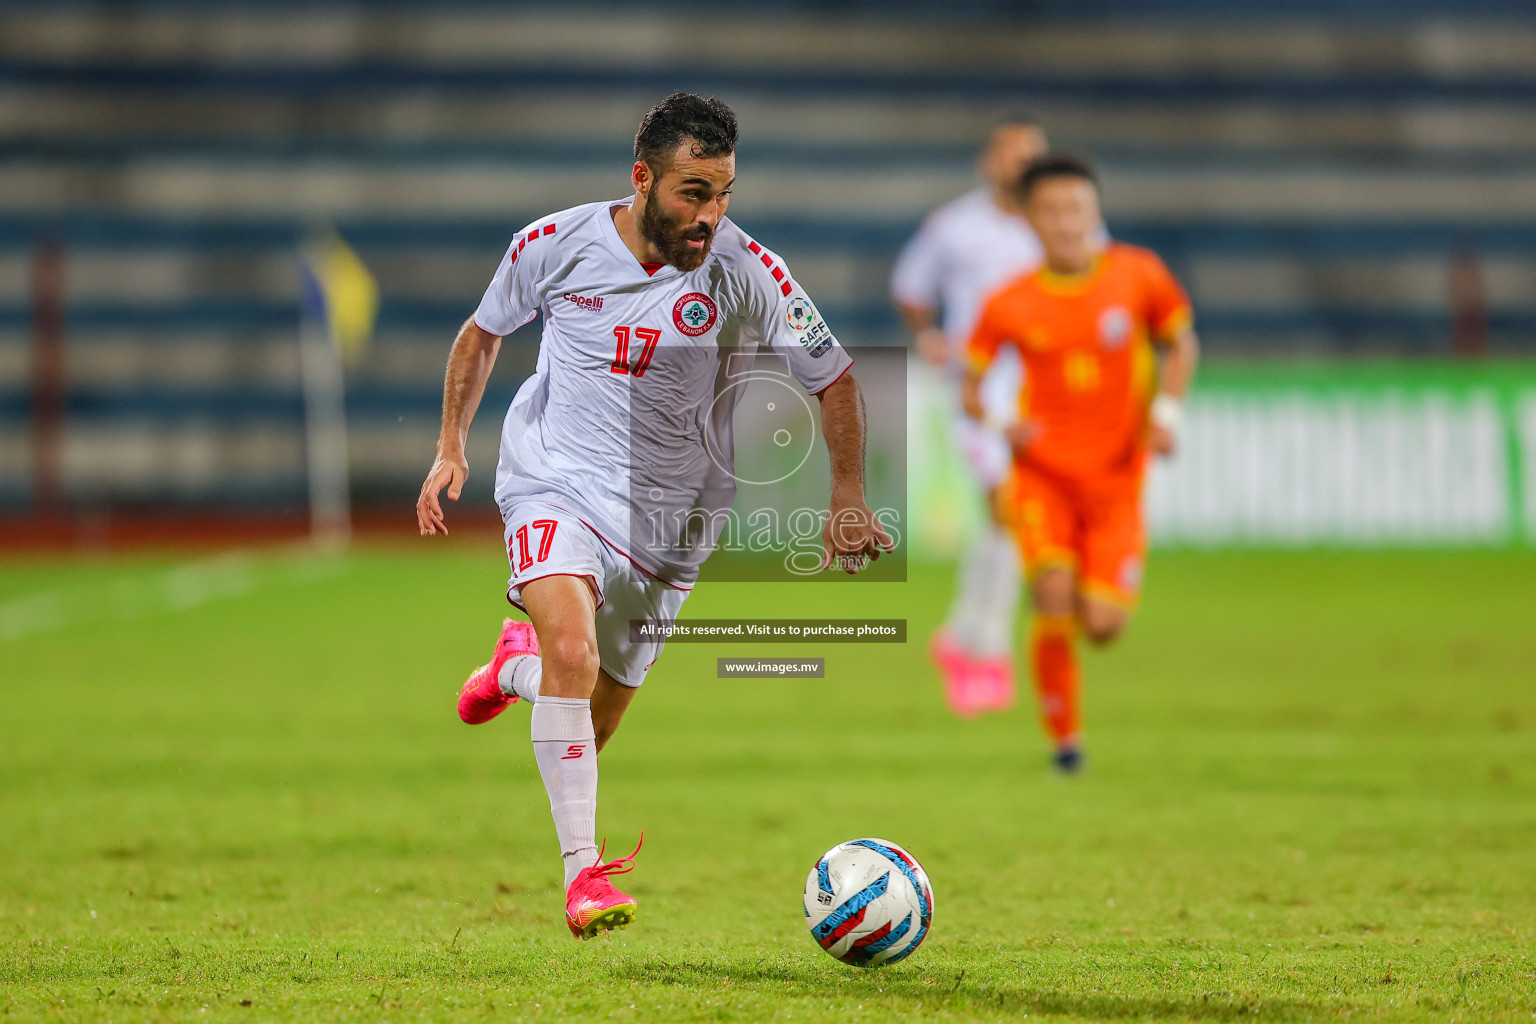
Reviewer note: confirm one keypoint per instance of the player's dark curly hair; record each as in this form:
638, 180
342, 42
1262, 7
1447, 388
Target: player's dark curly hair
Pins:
1055, 165
685, 115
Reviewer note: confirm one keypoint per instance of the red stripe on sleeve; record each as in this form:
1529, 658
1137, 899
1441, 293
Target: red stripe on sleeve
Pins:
549, 229
785, 288
834, 380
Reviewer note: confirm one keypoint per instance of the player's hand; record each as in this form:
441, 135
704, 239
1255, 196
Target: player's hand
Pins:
1161, 440
852, 537
933, 346
449, 470
1020, 434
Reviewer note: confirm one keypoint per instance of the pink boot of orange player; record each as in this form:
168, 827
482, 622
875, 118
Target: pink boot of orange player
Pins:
481, 699
956, 669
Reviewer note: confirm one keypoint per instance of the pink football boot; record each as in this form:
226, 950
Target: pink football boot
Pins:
995, 686
481, 699
960, 681
592, 904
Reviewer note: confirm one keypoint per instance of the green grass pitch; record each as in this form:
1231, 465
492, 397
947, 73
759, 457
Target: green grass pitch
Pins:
236, 790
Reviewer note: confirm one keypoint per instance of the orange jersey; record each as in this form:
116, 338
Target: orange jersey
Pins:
1086, 342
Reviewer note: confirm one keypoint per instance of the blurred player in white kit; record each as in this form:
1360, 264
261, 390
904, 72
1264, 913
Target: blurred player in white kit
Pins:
653, 306
963, 251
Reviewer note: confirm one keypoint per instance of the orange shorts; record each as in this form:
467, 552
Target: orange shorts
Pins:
1091, 526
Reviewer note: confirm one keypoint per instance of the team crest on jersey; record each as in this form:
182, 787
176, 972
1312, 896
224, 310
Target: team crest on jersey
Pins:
694, 314
1114, 326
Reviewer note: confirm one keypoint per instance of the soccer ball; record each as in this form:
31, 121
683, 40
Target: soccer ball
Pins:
868, 902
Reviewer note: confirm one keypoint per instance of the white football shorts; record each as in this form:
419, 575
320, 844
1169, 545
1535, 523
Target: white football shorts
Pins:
545, 540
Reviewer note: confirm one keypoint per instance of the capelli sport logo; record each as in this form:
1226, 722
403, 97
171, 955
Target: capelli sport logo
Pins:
694, 314
592, 302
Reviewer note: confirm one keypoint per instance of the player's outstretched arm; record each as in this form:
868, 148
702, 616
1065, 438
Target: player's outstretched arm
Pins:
469, 367
852, 536
1018, 434
970, 395
1178, 371
931, 341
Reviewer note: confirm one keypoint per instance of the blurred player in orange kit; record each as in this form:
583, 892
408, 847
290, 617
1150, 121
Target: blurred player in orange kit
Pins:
1088, 324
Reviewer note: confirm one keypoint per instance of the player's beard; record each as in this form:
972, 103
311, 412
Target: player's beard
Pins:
672, 240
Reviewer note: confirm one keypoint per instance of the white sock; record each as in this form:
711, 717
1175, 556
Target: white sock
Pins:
1000, 587
521, 677
966, 611
565, 747
986, 594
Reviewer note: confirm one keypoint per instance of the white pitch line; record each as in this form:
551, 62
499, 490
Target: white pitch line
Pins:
180, 588
33, 613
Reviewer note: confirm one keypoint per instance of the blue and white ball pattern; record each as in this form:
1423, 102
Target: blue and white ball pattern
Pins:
868, 902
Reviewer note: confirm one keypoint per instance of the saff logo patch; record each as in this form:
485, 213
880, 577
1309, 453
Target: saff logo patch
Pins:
800, 313
814, 334
694, 314
1115, 326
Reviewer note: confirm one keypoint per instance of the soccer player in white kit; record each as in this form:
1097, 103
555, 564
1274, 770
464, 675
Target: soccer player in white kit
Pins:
652, 306
963, 251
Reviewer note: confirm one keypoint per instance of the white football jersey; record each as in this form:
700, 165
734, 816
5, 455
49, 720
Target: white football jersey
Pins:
627, 420
964, 251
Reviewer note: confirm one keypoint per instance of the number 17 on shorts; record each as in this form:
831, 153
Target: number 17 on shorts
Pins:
546, 541
520, 552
